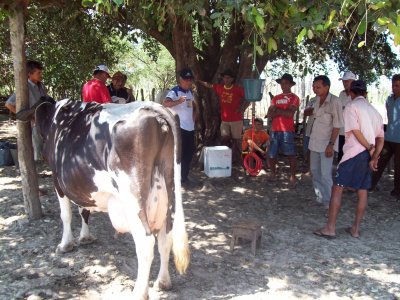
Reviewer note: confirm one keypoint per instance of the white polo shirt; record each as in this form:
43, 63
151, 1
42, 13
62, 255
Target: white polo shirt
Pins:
185, 109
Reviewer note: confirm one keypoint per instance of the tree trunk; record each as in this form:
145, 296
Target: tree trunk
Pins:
30, 189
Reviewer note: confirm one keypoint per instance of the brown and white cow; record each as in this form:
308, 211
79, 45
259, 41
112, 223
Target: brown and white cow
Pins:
124, 160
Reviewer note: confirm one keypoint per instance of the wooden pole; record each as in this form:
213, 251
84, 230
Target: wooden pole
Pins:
30, 187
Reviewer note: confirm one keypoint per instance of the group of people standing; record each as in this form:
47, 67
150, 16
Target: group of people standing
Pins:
347, 124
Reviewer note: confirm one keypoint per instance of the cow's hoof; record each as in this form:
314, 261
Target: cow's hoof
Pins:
87, 240
64, 249
160, 285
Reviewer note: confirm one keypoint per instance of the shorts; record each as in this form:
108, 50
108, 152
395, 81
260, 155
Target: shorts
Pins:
232, 129
355, 172
282, 140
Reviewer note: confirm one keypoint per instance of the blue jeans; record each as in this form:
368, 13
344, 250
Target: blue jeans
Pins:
283, 140
321, 170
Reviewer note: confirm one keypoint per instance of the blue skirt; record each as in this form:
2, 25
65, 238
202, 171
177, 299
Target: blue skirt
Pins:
355, 172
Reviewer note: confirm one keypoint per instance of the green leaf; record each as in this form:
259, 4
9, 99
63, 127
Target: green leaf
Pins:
310, 34
319, 27
118, 2
362, 27
301, 35
272, 45
383, 21
260, 22
392, 28
215, 15
378, 5
259, 50
330, 18
360, 44
398, 20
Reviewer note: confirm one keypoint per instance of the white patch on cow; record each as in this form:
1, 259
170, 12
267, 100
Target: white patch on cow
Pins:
67, 240
113, 113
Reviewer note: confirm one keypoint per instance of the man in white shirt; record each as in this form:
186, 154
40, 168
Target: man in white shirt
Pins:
328, 118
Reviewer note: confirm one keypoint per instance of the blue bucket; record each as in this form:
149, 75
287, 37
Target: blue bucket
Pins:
253, 89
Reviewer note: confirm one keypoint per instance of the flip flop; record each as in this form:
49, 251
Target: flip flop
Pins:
319, 233
348, 230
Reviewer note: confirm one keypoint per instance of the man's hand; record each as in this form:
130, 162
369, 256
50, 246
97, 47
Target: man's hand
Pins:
329, 151
373, 164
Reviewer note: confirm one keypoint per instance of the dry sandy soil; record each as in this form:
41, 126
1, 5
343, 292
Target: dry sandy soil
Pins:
291, 262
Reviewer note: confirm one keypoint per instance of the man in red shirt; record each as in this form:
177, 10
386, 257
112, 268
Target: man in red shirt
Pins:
281, 111
95, 90
232, 106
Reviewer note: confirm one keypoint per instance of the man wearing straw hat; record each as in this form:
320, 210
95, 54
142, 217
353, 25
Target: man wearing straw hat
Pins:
232, 106
281, 111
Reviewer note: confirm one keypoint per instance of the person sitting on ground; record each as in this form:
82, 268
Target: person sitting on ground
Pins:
36, 90
257, 140
363, 144
95, 90
281, 112
118, 92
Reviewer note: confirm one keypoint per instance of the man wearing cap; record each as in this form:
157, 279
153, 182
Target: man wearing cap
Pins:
232, 106
391, 147
344, 97
328, 118
36, 90
95, 90
180, 100
281, 111
364, 142
118, 92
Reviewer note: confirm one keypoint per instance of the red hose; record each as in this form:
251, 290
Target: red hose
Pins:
253, 171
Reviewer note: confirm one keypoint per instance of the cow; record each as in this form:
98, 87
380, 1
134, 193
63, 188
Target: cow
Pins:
124, 160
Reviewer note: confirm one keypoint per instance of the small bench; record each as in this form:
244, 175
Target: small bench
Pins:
247, 230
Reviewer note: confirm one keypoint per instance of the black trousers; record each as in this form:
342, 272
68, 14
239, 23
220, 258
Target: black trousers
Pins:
188, 148
389, 149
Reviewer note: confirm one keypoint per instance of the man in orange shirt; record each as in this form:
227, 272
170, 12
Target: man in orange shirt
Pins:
257, 141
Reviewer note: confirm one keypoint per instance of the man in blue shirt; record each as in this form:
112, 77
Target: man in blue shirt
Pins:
392, 139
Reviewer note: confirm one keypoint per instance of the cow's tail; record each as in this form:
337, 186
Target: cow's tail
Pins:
180, 241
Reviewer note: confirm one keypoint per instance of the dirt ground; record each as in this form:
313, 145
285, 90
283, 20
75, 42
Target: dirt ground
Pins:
291, 262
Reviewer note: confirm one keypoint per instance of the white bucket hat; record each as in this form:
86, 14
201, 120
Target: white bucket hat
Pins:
348, 75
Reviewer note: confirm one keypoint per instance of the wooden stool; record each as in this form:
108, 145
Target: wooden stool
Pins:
246, 230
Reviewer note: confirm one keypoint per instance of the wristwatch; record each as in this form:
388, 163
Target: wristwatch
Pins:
371, 146
331, 143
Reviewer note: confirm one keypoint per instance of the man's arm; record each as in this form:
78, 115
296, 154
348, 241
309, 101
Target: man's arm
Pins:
168, 102
10, 107
329, 151
206, 84
274, 111
375, 152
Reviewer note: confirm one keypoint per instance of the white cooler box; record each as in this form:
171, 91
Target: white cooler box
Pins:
218, 161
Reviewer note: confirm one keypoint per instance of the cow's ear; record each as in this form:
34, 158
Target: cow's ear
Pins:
28, 113
43, 115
